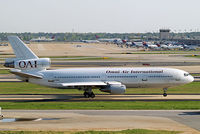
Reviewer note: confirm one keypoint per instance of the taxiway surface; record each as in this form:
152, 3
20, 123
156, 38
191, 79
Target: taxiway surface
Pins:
99, 97
186, 121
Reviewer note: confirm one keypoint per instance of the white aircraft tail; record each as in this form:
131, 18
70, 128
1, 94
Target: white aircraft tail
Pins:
20, 49
25, 59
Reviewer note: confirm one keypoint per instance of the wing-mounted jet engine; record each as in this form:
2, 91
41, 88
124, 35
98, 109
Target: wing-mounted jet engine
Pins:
115, 89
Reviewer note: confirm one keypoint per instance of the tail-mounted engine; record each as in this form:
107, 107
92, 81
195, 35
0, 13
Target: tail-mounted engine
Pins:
40, 63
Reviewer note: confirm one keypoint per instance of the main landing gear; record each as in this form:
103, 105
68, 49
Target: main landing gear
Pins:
165, 92
88, 93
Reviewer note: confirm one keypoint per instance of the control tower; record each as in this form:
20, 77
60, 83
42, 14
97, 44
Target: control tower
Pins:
164, 34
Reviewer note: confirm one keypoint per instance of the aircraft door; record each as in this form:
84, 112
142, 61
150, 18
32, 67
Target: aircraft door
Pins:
144, 81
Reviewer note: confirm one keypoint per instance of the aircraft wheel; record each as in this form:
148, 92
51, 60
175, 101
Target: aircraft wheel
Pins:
86, 95
165, 94
92, 95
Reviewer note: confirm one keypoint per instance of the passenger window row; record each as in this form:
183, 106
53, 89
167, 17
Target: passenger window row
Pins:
61, 77
159, 76
122, 76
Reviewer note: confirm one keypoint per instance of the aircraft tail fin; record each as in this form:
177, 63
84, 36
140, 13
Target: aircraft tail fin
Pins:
25, 58
20, 49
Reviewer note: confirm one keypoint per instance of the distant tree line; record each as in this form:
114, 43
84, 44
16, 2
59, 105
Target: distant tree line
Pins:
71, 37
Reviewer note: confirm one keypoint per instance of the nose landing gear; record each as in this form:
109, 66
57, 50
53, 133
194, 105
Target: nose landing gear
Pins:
165, 92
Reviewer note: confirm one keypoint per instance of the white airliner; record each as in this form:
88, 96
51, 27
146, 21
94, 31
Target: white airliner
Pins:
90, 41
28, 67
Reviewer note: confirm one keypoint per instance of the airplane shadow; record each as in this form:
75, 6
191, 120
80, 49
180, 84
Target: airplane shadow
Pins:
190, 113
80, 97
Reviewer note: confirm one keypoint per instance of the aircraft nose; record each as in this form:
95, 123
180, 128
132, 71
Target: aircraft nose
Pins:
190, 79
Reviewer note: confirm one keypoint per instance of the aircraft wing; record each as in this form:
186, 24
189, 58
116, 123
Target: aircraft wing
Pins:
26, 75
99, 83
92, 83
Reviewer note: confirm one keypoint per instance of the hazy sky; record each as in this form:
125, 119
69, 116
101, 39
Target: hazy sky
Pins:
98, 15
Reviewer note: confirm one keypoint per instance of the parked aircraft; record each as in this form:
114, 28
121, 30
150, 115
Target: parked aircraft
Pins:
190, 47
90, 41
149, 45
111, 40
138, 44
162, 46
43, 39
28, 67
173, 47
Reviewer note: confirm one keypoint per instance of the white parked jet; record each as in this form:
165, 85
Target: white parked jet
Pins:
28, 67
90, 41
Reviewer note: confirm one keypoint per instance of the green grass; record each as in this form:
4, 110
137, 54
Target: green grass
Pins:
28, 88
129, 131
195, 74
133, 131
104, 105
77, 57
4, 71
86, 58
191, 88
71, 58
62, 56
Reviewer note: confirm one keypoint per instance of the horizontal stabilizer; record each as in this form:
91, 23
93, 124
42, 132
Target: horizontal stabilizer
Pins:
26, 75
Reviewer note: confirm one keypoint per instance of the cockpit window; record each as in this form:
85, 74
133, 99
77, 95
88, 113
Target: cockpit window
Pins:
186, 74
